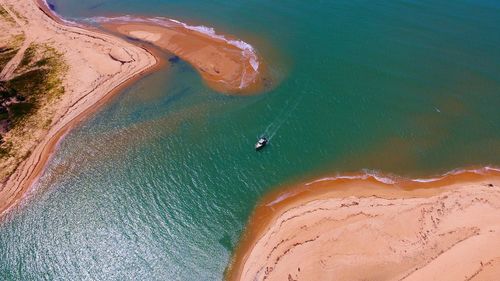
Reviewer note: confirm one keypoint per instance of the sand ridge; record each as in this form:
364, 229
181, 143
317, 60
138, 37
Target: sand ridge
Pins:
358, 229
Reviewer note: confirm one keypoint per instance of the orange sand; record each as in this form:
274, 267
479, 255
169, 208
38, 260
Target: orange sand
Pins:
225, 67
359, 228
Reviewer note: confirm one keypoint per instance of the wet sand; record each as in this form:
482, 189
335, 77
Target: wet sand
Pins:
100, 65
226, 64
368, 227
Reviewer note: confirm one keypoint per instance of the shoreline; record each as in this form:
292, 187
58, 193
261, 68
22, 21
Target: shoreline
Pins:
226, 64
267, 219
17, 185
28, 172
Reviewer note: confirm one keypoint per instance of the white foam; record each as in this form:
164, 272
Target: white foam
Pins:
247, 50
68, 22
281, 198
393, 179
427, 180
127, 18
480, 171
487, 168
365, 175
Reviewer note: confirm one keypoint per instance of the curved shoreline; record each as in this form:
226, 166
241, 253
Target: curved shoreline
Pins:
28, 172
268, 223
227, 65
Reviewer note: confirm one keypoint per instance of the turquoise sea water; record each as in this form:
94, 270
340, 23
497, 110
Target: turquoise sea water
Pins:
158, 185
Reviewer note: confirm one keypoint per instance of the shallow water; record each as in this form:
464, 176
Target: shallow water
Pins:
160, 182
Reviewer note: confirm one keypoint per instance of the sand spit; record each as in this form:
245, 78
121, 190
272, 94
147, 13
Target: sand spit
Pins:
98, 65
227, 65
361, 228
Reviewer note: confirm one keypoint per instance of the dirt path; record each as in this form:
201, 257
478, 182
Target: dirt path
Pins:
12, 65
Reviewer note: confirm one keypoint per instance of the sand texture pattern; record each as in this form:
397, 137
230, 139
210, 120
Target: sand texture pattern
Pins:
226, 65
447, 233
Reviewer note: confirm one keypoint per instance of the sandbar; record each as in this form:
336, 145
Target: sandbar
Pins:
226, 64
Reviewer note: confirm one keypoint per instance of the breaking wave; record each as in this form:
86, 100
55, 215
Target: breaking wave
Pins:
390, 179
384, 179
247, 51
54, 13
362, 176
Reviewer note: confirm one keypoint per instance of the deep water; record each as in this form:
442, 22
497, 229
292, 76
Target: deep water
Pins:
158, 184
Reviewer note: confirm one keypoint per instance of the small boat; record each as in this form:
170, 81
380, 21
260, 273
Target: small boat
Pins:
261, 143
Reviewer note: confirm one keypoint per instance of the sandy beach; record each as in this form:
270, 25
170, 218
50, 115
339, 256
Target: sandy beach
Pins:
362, 227
98, 66
226, 64
101, 64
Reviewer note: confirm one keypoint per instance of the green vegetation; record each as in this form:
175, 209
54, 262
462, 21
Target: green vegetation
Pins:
5, 149
6, 54
21, 110
4, 14
28, 55
8, 51
26, 100
4, 114
18, 15
38, 82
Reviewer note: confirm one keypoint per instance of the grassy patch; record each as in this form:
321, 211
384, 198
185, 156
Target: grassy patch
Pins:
38, 83
5, 149
5, 15
41, 83
44, 80
9, 50
6, 56
18, 15
19, 111
6, 92
30, 84
53, 60
4, 116
29, 54
3, 12
18, 40
43, 62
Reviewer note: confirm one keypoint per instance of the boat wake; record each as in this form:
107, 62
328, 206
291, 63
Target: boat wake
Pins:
282, 117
